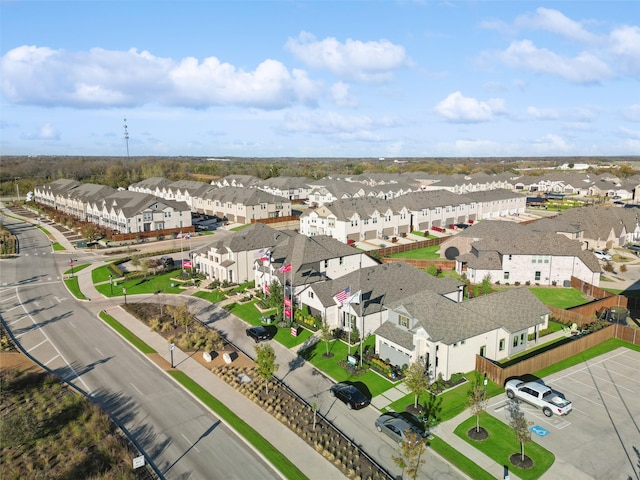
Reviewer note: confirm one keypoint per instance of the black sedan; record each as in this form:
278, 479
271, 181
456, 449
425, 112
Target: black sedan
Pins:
259, 334
350, 395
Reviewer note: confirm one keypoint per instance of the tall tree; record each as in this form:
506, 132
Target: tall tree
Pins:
266, 363
416, 380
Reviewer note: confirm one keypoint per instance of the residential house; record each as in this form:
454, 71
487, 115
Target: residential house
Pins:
512, 253
241, 205
446, 336
291, 188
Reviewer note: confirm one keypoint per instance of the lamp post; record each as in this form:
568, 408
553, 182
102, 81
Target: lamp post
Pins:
485, 386
124, 290
111, 284
171, 347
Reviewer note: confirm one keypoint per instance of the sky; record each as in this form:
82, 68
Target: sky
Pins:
320, 78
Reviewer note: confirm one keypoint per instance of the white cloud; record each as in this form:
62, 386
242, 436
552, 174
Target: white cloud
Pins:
543, 113
458, 108
551, 144
583, 68
101, 78
634, 134
341, 96
45, 132
362, 61
556, 22
332, 123
632, 113
625, 44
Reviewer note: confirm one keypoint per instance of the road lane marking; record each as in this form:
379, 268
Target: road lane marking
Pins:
98, 350
52, 344
71, 323
191, 444
137, 389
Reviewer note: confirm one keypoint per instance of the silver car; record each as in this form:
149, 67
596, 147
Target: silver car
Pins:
396, 427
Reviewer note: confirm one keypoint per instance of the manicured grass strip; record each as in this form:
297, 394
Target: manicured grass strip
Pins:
151, 284
101, 274
281, 462
502, 443
45, 231
76, 269
420, 253
454, 457
57, 247
213, 296
126, 333
74, 288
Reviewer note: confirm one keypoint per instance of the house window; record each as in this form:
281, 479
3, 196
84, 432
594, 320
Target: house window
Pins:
310, 294
537, 276
462, 342
510, 257
522, 339
403, 321
375, 219
515, 340
506, 275
341, 260
326, 264
501, 347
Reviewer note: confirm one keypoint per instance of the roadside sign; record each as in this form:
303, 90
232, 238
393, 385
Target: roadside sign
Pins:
538, 430
138, 462
172, 346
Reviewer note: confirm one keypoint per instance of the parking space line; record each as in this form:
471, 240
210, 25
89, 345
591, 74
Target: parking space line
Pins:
137, 389
36, 346
13, 308
192, 445
51, 360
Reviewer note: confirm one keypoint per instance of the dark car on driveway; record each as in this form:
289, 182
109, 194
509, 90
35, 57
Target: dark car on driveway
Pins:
350, 395
259, 334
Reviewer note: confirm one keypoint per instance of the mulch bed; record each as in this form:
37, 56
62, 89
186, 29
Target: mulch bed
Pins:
520, 462
478, 435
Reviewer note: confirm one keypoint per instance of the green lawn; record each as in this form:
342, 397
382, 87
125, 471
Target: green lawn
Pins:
426, 253
559, 297
502, 442
77, 268
374, 382
454, 401
101, 274
213, 296
74, 288
57, 247
152, 284
472, 469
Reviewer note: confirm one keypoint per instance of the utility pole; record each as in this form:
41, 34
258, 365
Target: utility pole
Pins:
126, 136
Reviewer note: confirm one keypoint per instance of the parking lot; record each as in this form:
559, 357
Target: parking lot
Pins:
600, 438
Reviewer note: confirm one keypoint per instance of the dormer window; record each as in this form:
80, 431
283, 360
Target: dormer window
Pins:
403, 321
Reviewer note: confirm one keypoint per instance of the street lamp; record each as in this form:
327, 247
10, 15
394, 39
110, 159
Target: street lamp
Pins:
124, 290
111, 283
171, 347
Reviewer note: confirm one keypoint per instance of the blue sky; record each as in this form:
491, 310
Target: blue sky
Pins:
320, 79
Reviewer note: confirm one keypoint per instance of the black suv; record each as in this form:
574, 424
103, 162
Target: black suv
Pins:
167, 262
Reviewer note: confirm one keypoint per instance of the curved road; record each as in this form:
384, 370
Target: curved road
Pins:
177, 434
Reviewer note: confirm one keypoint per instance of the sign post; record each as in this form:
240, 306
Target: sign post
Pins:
71, 265
171, 347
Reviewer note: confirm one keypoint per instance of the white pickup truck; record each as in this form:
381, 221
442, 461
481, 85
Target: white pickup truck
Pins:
538, 395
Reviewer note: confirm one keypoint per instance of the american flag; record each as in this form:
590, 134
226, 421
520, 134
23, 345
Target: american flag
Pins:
285, 268
340, 297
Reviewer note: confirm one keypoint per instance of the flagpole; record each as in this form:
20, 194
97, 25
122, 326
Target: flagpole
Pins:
361, 300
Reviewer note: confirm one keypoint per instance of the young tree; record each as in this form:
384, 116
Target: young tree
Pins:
275, 297
477, 397
519, 423
485, 287
416, 380
410, 452
325, 335
144, 267
431, 410
266, 363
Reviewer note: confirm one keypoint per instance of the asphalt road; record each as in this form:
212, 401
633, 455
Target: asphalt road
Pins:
176, 433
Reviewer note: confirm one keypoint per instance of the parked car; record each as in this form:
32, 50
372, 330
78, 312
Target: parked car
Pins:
350, 395
259, 334
633, 247
396, 427
602, 255
539, 395
167, 262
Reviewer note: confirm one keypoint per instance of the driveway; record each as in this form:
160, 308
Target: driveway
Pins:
600, 438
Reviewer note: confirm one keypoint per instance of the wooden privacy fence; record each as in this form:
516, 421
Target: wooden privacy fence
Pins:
167, 232
429, 242
268, 221
545, 359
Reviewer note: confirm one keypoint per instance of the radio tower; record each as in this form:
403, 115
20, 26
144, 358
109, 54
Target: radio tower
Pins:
126, 136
